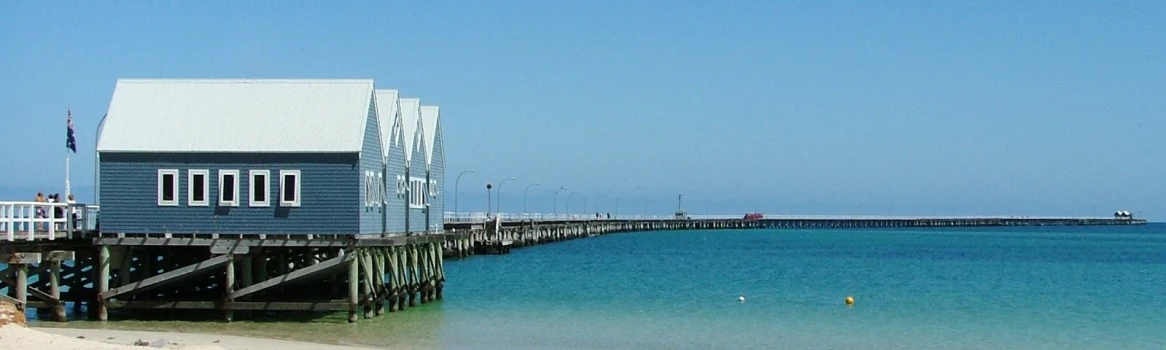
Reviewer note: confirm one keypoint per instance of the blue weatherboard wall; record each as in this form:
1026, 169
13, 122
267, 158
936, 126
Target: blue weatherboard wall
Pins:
417, 169
394, 194
330, 194
370, 160
437, 177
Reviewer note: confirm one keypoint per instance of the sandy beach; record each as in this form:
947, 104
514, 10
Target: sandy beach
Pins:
19, 337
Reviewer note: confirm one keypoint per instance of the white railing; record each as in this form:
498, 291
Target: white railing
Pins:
479, 217
33, 220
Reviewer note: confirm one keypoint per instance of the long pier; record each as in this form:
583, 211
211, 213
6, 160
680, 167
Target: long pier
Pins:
499, 232
59, 259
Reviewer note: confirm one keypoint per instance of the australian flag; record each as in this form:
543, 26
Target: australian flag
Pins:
70, 142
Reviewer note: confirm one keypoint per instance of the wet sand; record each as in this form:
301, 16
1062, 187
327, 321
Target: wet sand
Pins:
18, 337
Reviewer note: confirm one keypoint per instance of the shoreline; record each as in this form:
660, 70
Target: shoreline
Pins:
62, 338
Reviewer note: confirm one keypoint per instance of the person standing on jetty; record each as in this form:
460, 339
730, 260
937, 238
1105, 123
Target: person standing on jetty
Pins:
40, 210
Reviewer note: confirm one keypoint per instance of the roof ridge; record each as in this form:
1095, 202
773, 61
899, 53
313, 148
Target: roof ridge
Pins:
245, 80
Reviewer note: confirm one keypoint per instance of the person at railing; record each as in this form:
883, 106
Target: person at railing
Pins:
58, 212
74, 212
39, 211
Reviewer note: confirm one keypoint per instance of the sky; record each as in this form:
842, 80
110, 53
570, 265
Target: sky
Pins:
784, 107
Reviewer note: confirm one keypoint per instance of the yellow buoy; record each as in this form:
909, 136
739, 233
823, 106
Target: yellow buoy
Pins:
849, 300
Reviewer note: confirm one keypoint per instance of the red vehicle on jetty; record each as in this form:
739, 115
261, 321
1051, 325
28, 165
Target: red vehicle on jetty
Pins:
753, 216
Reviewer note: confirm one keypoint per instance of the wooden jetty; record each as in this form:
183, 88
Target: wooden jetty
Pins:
365, 275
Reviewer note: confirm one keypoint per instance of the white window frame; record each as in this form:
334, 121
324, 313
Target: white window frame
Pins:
416, 193
161, 174
206, 187
234, 191
400, 186
299, 185
266, 174
380, 189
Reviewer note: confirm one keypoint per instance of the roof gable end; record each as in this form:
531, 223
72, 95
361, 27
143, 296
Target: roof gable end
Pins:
429, 118
410, 125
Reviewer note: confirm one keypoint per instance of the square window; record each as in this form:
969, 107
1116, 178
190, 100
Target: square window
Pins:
168, 187
289, 187
197, 187
260, 188
229, 188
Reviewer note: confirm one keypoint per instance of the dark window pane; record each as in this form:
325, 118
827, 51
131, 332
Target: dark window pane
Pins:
199, 187
168, 187
289, 188
258, 183
228, 188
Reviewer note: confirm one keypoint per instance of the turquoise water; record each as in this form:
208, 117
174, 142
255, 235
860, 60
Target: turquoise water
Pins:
974, 288
984, 288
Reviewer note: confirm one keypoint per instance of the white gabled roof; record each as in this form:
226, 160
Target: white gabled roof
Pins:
389, 109
410, 120
237, 115
429, 117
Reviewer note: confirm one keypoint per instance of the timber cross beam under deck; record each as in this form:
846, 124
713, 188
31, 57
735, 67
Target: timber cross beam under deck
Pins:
231, 272
47, 265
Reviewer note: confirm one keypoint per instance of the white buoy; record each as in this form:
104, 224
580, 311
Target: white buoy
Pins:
741, 298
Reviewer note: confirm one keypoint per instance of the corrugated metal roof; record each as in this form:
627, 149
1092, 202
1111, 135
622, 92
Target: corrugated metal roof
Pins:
429, 116
237, 115
410, 124
389, 109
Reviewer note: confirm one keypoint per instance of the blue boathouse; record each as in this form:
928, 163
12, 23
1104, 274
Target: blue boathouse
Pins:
414, 175
434, 168
393, 146
267, 156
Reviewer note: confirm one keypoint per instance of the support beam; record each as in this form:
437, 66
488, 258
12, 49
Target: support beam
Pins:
321, 267
169, 277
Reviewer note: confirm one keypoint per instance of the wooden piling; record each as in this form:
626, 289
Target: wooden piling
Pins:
353, 289
102, 282
55, 291
228, 289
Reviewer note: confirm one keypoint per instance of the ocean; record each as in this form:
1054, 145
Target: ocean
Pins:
958, 288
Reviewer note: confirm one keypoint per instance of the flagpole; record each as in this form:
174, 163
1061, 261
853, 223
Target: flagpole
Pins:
68, 190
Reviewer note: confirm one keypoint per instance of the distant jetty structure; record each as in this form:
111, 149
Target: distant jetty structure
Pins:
238, 196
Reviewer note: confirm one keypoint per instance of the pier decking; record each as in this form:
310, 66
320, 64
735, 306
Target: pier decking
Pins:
71, 260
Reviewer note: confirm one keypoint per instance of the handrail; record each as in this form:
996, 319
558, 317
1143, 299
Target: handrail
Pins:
478, 217
46, 220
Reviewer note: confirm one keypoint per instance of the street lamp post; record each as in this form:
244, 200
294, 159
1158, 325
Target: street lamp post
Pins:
556, 201
524, 193
617, 208
500, 193
455, 192
488, 201
567, 207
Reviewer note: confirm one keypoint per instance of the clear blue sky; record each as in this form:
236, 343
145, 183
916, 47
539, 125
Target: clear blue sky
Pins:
914, 107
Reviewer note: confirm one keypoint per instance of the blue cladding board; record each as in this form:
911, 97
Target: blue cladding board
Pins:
329, 194
417, 170
371, 160
394, 192
437, 177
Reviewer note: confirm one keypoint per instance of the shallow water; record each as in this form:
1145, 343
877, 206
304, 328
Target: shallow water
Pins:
969, 288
